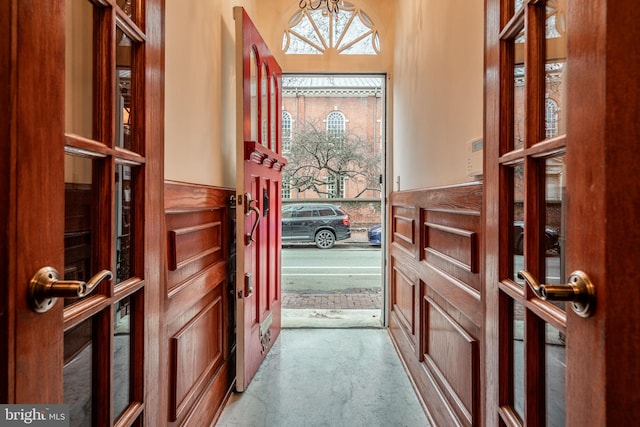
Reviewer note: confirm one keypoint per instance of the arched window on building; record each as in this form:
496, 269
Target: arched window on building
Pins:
350, 32
335, 123
551, 118
286, 131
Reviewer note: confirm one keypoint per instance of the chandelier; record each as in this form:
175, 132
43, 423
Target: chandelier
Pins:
331, 5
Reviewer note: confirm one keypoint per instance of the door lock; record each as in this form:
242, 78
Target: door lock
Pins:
46, 287
580, 291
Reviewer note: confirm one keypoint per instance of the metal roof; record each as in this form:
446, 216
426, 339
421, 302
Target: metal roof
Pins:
331, 82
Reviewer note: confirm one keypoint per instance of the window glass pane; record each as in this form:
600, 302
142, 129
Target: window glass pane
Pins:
519, 98
125, 114
555, 70
79, 212
122, 356
127, 6
78, 372
302, 36
253, 84
517, 237
264, 107
357, 35
79, 70
273, 114
518, 359
124, 222
554, 239
555, 374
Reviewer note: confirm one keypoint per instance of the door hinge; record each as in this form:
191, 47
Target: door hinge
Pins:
248, 285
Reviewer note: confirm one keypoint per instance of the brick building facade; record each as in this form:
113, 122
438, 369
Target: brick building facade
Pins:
353, 105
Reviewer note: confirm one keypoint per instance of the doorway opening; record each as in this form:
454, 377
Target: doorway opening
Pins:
333, 220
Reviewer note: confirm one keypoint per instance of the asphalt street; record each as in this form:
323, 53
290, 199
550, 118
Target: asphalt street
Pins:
342, 268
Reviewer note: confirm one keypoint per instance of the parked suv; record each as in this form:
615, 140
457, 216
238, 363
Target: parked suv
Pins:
322, 223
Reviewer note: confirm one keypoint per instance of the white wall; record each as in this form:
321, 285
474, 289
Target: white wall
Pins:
432, 52
200, 91
438, 90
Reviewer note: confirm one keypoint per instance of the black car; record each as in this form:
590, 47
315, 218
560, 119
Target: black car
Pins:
552, 241
322, 223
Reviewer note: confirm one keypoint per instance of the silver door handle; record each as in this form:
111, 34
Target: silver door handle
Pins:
579, 291
46, 287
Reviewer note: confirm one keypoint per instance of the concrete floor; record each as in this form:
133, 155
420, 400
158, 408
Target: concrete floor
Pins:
331, 318
328, 377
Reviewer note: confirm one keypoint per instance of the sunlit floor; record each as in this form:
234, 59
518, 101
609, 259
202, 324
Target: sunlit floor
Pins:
328, 377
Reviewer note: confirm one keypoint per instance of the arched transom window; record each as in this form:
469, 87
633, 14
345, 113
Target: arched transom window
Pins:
313, 32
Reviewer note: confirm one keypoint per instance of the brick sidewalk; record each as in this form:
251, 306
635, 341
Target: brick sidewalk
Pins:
370, 298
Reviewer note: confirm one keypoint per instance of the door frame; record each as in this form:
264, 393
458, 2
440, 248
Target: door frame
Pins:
386, 172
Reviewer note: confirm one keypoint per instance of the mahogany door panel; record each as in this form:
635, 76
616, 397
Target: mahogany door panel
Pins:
86, 163
560, 238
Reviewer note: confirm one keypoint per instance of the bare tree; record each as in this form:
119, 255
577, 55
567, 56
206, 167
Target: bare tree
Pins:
318, 158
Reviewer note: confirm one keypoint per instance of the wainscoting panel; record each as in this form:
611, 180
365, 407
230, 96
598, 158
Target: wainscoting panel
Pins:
436, 307
191, 363
403, 300
451, 356
403, 228
199, 312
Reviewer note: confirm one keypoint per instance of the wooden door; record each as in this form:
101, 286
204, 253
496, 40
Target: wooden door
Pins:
82, 160
561, 197
258, 230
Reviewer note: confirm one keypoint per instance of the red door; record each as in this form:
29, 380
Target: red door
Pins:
258, 176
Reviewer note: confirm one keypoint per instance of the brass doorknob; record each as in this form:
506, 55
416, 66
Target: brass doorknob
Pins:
46, 287
579, 291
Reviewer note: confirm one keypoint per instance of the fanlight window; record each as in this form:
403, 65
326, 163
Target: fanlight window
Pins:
313, 32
